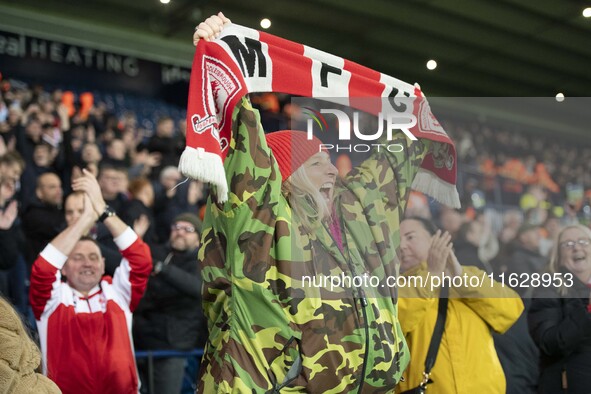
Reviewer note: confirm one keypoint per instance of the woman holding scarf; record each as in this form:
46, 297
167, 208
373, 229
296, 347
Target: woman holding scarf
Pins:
289, 222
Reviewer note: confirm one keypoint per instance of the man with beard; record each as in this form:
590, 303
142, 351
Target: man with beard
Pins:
169, 317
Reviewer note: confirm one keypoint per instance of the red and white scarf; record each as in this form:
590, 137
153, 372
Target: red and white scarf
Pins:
244, 60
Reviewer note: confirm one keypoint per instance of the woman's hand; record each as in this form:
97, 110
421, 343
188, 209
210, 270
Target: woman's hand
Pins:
210, 28
453, 265
439, 251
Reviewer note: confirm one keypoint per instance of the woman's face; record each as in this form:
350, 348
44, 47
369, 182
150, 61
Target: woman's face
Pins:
574, 254
322, 173
415, 242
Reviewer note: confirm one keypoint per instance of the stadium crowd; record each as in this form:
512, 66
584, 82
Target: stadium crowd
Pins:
51, 139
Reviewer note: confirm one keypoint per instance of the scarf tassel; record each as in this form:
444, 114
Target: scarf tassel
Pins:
207, 167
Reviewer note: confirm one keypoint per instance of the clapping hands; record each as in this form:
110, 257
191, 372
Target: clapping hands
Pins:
89, 185
441, 255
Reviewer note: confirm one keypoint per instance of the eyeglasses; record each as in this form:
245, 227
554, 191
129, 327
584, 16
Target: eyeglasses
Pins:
179, 227
571, 244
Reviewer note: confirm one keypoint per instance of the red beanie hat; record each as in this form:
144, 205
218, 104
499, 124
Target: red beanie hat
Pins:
291, 149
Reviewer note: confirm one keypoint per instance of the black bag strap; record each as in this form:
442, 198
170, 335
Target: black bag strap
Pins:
435, 342
437, 332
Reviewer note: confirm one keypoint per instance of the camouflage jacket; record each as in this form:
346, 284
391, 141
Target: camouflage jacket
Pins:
269, 330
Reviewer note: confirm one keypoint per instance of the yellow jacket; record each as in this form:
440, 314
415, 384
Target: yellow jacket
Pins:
467, 361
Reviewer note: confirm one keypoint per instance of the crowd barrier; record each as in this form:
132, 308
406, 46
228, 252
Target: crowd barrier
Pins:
193, 358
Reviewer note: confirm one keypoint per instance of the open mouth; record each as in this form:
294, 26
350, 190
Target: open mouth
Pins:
578, 259
326, 190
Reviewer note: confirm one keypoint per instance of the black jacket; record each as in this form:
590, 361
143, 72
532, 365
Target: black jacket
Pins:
41, 223
561, 327
526, 261
118, 203
467, 254
170, 316
11, 243
132, 211
170, 148
167, 209
519, 356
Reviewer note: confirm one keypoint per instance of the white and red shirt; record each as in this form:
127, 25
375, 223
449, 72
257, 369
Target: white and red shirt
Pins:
86, 340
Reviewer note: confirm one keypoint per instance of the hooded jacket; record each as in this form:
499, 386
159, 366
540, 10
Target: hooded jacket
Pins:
270, 329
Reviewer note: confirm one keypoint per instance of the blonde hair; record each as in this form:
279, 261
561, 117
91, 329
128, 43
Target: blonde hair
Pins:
554, 264
307, 203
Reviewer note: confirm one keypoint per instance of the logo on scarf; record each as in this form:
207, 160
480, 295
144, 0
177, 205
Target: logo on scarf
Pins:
442, 157
200, 125
224, 84
225, 87
427, 121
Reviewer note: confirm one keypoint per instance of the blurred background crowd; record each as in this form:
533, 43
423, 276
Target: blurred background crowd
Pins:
518, 189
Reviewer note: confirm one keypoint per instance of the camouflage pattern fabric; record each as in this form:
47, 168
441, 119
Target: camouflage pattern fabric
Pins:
269, 332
